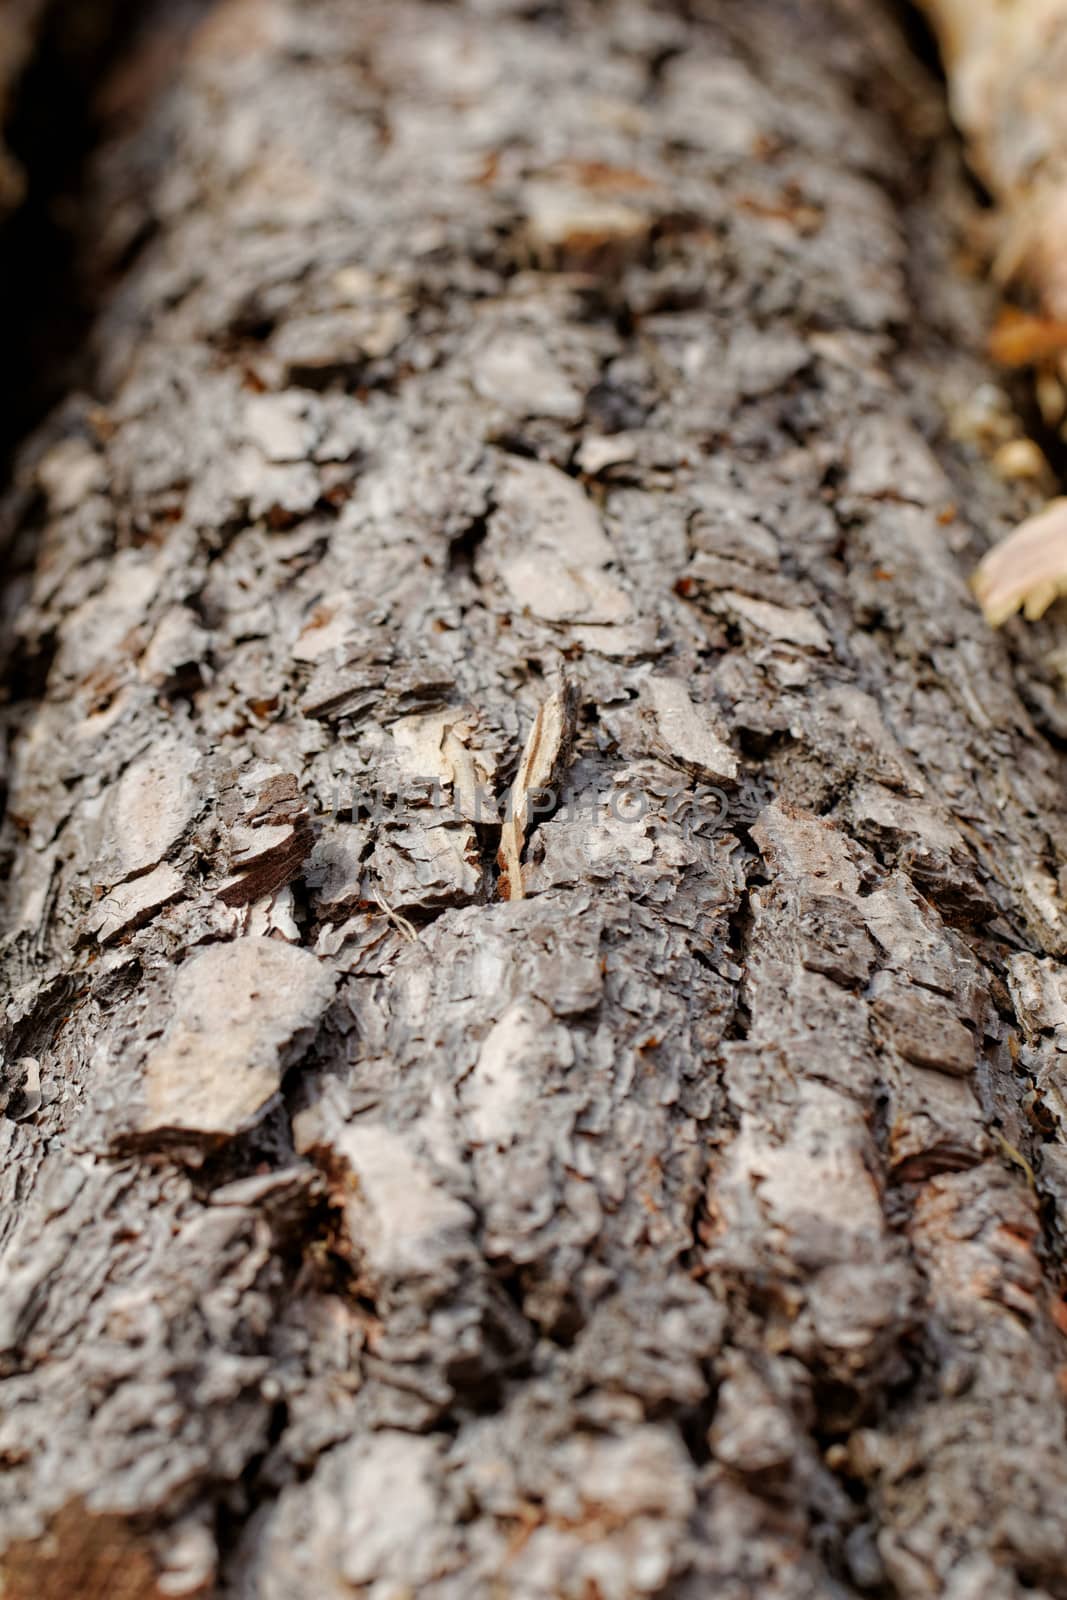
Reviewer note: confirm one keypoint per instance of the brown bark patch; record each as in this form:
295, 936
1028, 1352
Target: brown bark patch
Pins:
93, 1557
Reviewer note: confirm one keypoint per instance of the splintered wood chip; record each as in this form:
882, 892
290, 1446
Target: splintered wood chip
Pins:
1027, 569
545, 751
242, 1013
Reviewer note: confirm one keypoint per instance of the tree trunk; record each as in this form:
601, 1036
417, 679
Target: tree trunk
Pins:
535, 984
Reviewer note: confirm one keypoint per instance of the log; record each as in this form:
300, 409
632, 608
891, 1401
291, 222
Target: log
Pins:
534, 988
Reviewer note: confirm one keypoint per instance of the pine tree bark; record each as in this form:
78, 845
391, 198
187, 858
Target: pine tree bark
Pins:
659, 1198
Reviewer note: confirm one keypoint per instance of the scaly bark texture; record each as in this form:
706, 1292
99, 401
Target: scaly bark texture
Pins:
662, 1198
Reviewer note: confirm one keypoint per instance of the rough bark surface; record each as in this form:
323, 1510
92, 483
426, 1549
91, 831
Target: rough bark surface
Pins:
660, 1198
